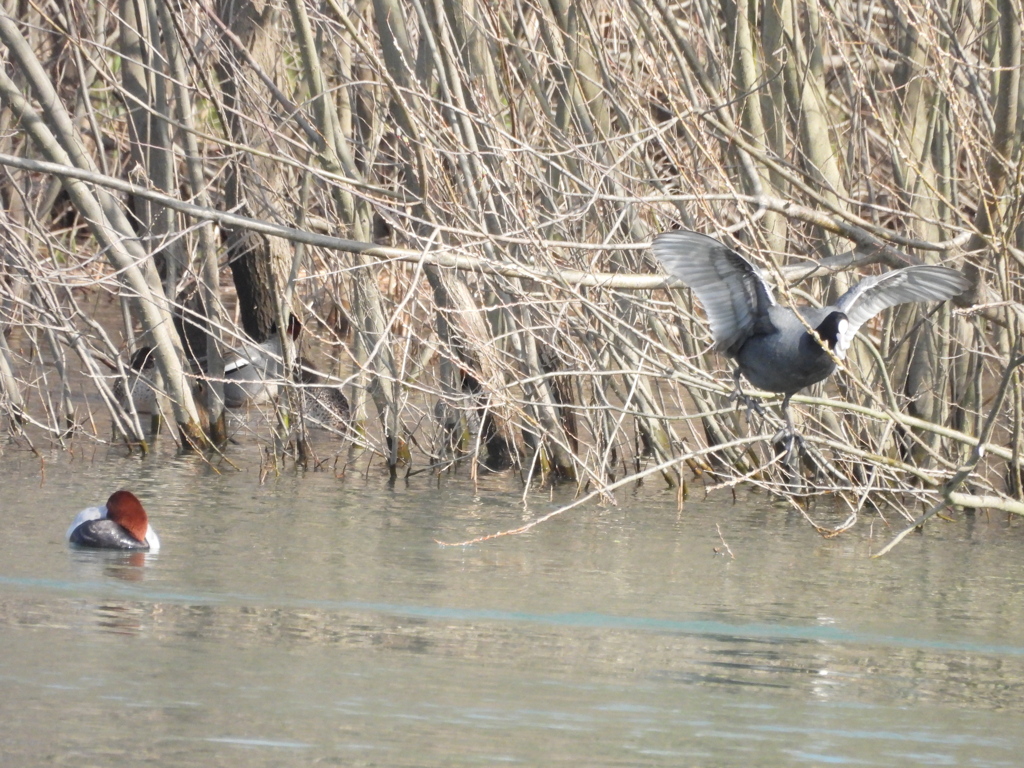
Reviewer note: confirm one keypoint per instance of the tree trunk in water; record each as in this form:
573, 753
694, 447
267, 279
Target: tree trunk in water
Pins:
259, 264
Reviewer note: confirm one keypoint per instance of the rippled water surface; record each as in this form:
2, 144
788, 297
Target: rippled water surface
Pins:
313, 620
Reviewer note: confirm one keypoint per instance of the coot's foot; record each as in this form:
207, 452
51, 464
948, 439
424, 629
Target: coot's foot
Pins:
792, 439
788, 433
738, 395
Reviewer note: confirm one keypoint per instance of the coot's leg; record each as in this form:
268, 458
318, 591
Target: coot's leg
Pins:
788, 433
738, 395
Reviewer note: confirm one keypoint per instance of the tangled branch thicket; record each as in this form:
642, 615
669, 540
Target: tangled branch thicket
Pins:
457, 200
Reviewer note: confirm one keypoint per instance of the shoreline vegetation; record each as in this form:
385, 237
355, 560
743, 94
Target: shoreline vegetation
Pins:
440, 215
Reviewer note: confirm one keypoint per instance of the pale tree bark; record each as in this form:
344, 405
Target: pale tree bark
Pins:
149, 133
373, 333
209, 271
751, 78
260, 265
916, 127
105, 218
1006, 139
474, 371
806, 92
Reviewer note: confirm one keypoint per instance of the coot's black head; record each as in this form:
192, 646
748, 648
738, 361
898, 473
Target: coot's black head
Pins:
832, 328
142, 359
294, 327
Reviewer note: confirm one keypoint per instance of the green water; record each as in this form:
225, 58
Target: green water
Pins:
313, 620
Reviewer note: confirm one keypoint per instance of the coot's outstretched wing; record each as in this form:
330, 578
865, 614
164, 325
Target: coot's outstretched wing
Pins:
873, 294
730, 288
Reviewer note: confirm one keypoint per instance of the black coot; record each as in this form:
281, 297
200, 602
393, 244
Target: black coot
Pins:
771, 345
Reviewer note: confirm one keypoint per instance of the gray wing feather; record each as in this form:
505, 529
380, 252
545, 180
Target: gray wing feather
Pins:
871, 295
732, 291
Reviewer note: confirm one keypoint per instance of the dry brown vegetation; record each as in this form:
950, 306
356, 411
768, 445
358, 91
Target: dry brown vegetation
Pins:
457, 200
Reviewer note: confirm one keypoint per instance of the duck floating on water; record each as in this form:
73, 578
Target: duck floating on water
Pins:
322, 405
121, 523
254, 372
